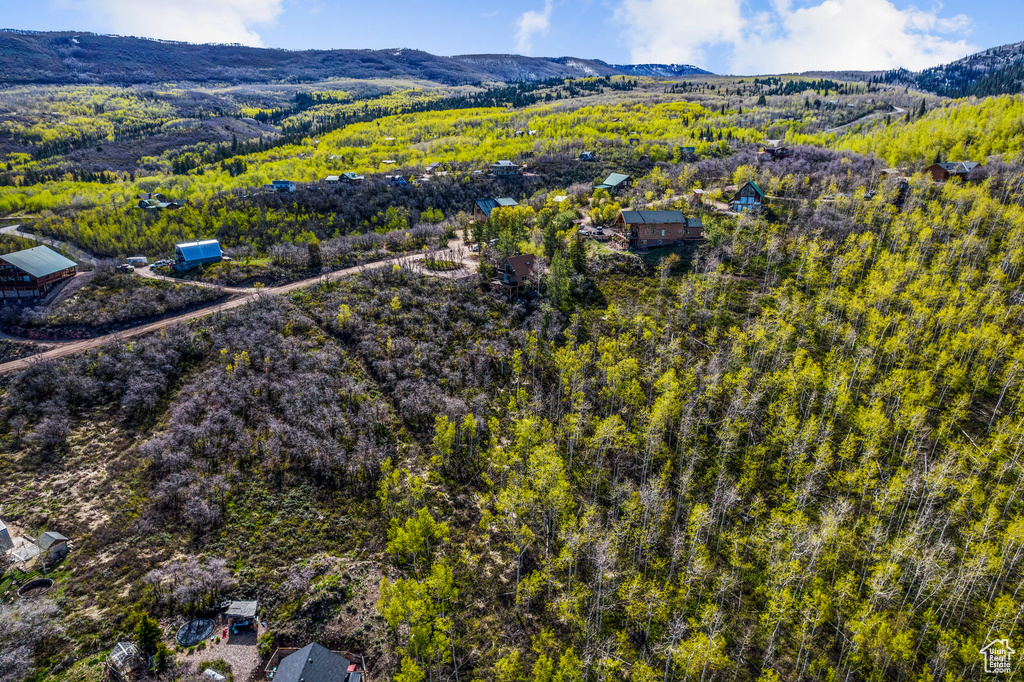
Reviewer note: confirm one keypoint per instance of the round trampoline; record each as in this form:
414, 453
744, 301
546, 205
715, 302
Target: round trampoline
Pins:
35, 588
194, 632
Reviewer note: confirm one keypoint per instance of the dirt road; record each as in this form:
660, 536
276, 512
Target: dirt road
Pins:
239, 298
80, 256
896, 112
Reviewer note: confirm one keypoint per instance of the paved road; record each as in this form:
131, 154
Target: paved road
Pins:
237, 299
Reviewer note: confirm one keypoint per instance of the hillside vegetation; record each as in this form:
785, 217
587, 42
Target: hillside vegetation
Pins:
791, 452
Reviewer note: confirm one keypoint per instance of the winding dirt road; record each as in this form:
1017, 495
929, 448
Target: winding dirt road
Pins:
897, 111
238, 298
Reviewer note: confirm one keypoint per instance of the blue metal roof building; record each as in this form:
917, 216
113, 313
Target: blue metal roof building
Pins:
192, 254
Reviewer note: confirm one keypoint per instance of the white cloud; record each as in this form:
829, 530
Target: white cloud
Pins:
198, 21
816, 35
678, 31
532, 23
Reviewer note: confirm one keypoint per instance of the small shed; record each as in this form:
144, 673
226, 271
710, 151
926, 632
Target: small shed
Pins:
126, 662
241, 613
52, 546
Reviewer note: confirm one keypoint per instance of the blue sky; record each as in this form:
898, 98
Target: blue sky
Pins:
725, 36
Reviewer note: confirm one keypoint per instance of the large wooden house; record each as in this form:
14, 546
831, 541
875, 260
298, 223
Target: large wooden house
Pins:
941, 172
32, 273
644, 230
505, 168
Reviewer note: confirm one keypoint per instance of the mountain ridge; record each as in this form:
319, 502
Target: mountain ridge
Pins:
70, 58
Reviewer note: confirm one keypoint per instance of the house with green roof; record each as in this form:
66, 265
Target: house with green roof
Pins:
32, 273
614, 182
748, 199
483, 208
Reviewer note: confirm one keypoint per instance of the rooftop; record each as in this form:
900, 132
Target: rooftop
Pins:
209, 248
50, 538
242, 609
652, 217
312, 663
39, 261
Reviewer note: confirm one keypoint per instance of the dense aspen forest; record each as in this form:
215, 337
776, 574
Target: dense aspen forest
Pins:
793, 450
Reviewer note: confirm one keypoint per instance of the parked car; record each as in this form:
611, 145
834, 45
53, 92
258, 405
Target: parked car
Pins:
125, 267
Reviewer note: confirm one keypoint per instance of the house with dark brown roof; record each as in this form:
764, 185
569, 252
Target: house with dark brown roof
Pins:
650, 229
517, 272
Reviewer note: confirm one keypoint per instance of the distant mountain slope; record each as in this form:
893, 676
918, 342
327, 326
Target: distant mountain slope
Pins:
659, 70
67, 58
996, 71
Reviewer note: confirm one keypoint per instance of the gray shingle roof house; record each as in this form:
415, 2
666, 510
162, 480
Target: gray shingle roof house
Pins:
312, 663
944, 171
33, 272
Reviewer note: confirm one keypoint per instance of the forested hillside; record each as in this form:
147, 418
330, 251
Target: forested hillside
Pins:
997, 71
791, 451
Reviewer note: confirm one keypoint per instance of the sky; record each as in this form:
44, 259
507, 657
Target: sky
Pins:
723, 36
